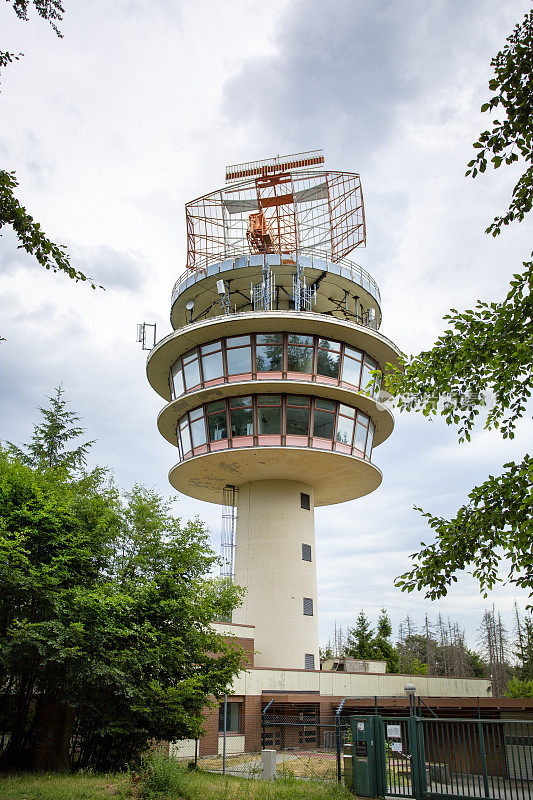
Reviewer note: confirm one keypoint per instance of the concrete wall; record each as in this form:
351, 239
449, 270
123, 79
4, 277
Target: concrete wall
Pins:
271, 528
342, 684
234, 744
181, 749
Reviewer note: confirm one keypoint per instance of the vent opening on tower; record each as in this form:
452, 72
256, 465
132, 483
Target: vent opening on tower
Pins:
305, 501
309, 661
306, 552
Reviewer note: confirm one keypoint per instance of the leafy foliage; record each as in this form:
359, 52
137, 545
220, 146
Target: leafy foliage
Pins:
7, 58
31, 237
512, 137
29, 234
105, 610
51, 10
519, 688
489, 349
495, 523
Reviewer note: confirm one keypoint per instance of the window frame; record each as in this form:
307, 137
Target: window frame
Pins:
239, 729
335, 347
311, 657
283, 345
281, 437
311, 347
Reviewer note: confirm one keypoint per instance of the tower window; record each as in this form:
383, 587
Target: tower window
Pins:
308, 606
306, 552
309, 661
305, 501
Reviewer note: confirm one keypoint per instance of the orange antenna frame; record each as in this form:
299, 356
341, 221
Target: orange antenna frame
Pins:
293, 212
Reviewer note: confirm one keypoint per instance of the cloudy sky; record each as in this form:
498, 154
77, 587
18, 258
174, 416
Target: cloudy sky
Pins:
139, 108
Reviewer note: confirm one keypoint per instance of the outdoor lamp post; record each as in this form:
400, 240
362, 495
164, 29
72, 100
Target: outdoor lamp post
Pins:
410, 690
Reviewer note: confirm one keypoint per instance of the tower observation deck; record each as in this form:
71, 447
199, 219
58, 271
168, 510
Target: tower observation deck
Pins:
267, 378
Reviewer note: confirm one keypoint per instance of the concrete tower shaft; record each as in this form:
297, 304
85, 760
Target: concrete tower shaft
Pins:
267, 378
275, 559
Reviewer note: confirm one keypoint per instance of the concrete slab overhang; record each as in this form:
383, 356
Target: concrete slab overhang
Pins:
335, 477
165, 353
171, 413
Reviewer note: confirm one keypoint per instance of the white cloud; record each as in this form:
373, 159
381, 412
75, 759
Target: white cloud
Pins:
138, 109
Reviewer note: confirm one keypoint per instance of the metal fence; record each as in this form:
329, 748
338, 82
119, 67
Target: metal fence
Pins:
477, 758
308, 746
420, 757
463, 759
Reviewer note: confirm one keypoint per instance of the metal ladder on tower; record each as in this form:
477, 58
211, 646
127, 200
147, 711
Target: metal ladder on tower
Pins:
227, 542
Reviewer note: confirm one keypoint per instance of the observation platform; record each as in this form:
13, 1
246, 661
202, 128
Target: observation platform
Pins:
344, 289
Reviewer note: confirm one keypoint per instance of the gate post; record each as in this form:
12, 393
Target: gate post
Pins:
417, 758
421, 744
338, 738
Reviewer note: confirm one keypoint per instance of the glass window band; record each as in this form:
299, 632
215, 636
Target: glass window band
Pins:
298, 419
302, 355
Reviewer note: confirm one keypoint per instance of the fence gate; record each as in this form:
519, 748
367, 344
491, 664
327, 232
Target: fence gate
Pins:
431, 758
399, 737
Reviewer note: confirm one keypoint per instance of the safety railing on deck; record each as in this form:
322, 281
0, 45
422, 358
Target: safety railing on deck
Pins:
344, 267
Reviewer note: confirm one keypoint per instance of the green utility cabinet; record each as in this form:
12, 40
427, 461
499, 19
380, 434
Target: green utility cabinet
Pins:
368, 756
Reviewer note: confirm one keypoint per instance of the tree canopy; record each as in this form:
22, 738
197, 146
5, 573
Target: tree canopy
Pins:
105, 618
485, 353
512, 138
365, 643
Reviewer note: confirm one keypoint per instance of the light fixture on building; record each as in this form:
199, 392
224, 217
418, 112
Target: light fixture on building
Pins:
189, 306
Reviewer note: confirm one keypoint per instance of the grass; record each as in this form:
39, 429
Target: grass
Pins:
166, 779
82, 786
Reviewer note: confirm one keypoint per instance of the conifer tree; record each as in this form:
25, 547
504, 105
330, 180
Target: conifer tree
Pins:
48, 448
359, 638
524, 644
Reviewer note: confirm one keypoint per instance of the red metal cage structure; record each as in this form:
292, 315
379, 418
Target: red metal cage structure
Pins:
307, 212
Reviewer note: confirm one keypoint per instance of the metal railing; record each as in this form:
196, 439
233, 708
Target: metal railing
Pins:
354, 272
